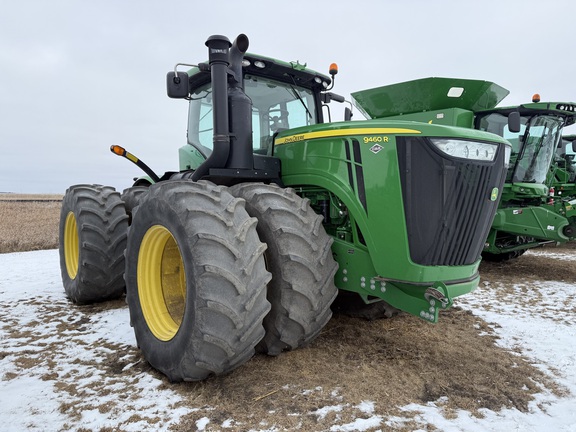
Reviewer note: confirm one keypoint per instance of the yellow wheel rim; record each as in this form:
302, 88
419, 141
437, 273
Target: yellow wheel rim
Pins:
71, 245
161, 282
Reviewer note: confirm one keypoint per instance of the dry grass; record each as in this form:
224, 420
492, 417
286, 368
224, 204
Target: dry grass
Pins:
391, 362
29, 197
28, 222
532, 267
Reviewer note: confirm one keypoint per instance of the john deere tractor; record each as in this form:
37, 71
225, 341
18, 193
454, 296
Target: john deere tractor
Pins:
273, 211
533, 209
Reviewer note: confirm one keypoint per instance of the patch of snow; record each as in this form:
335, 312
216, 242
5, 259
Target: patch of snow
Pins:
359, 424
323, 412
549, 254
202, 423
366, 407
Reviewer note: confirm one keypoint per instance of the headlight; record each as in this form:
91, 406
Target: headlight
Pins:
507, 153
466, 149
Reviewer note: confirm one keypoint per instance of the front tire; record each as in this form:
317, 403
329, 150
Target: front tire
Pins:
92, 239
300, 258
196, 280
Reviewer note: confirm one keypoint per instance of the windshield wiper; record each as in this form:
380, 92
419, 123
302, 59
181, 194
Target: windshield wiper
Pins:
297, 95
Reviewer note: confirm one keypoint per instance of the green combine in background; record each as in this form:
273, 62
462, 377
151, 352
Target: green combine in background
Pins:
538, 204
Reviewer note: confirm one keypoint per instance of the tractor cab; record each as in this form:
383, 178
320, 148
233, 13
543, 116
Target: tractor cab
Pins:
533, 147
266, 97
538, 198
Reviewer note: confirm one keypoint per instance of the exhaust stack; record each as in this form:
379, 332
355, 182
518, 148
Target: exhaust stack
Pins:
232, 109
240, 107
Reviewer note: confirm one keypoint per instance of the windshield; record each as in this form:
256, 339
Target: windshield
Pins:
532, 148
275, 106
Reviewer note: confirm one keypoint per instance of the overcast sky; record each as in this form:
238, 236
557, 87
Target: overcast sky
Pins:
78, 76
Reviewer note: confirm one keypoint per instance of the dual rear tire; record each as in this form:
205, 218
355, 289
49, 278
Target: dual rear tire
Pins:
212, 273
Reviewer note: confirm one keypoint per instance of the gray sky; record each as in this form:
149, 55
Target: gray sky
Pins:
78, 76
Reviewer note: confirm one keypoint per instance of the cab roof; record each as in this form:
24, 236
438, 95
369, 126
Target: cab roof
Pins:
292, 73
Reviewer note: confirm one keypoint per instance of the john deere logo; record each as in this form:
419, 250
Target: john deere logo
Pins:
494, 194
376, 148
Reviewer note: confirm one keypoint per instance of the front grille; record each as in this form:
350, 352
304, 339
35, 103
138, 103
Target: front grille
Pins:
446, 202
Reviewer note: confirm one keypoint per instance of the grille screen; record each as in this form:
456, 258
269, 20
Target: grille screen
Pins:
446, 202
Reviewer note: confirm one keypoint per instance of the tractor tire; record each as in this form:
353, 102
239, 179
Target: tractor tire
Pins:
299, 256
195, 280
131, 197
92, 239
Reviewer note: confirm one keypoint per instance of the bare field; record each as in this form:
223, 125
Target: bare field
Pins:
30, 197
29, 222
394, 362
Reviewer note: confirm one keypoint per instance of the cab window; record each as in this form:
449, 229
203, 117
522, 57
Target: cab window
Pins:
276, 106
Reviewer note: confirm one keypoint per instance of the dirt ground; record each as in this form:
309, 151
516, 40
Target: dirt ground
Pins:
393, 362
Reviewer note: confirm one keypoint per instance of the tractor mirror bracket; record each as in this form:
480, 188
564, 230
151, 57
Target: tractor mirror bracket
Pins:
514, 122
329, 97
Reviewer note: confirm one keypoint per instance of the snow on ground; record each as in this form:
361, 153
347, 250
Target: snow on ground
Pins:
64, 391
31, 393
555, 255
538, 321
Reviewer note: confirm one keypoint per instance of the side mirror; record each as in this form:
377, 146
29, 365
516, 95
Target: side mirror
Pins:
514, 122
177, 85
574, 146
347, 114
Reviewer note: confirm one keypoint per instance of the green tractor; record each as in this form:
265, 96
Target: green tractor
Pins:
533, 210
273, 212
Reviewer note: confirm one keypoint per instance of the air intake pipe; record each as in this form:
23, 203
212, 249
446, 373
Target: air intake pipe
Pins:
232, 109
